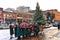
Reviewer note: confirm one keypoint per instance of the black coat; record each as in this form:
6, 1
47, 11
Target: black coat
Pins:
11, 30
59, 26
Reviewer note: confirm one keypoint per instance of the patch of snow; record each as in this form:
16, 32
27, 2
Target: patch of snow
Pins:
51, 28
4, 34
57, 35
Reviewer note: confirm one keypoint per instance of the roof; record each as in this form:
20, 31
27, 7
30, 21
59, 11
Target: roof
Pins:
32, 11
57, 15
8, 12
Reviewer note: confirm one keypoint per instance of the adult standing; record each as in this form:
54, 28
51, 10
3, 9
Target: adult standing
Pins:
11, 30
59, 26
17, 31
30, 29
36, 28
23, 27
31, 25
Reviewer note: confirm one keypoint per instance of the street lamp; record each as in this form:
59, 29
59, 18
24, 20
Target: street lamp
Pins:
16, 16
22, 18
4, 18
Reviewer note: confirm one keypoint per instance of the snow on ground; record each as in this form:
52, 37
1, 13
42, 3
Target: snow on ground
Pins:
52, 33
4, 34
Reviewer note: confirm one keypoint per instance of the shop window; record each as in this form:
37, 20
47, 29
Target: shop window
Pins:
19, 15
0, 12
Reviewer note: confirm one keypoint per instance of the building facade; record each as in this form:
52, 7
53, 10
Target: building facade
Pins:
11, 15
1, 15
55, 12
23, 9
24, 14
57, 15
27, 16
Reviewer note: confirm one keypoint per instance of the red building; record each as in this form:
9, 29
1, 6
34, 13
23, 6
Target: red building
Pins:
1, 15
14, 15
9, 16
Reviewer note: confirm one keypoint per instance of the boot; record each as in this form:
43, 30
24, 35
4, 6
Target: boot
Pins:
18, 37
11, 37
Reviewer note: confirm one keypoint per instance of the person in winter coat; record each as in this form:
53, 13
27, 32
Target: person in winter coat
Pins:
11, 30
31, 25
36, 28
23, 27
59, 26
30, 28
17, 30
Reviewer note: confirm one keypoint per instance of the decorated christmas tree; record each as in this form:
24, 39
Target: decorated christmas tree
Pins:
38, 17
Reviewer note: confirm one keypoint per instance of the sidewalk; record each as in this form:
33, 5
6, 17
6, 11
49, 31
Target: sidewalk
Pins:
52, 33
4, 27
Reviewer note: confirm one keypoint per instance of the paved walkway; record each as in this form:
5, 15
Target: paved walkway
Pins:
5, 35
52, 33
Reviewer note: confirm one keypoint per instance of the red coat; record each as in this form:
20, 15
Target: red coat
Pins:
31, 26
23, 25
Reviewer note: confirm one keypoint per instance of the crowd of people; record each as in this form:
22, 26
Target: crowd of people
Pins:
18, 28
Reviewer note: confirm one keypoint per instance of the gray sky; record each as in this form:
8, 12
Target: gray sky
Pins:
44, 4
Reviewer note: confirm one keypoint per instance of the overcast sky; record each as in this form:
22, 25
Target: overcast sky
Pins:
44, 4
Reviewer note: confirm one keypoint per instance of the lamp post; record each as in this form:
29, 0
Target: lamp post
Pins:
4, 18
22, 18
16, 16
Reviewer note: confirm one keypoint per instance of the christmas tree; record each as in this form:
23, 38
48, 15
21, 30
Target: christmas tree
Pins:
38, 17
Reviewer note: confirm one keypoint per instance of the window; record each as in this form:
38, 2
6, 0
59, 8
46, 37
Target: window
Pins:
19, 15
25, 16
30, 16
0, 12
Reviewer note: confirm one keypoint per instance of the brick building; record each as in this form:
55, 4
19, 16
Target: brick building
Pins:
57, 15
54, 11
23, 13
11, 15
27, 16
1, 15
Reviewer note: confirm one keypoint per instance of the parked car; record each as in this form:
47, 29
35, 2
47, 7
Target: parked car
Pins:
55, 24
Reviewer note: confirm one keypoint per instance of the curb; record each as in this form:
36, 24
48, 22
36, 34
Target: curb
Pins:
4, 27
